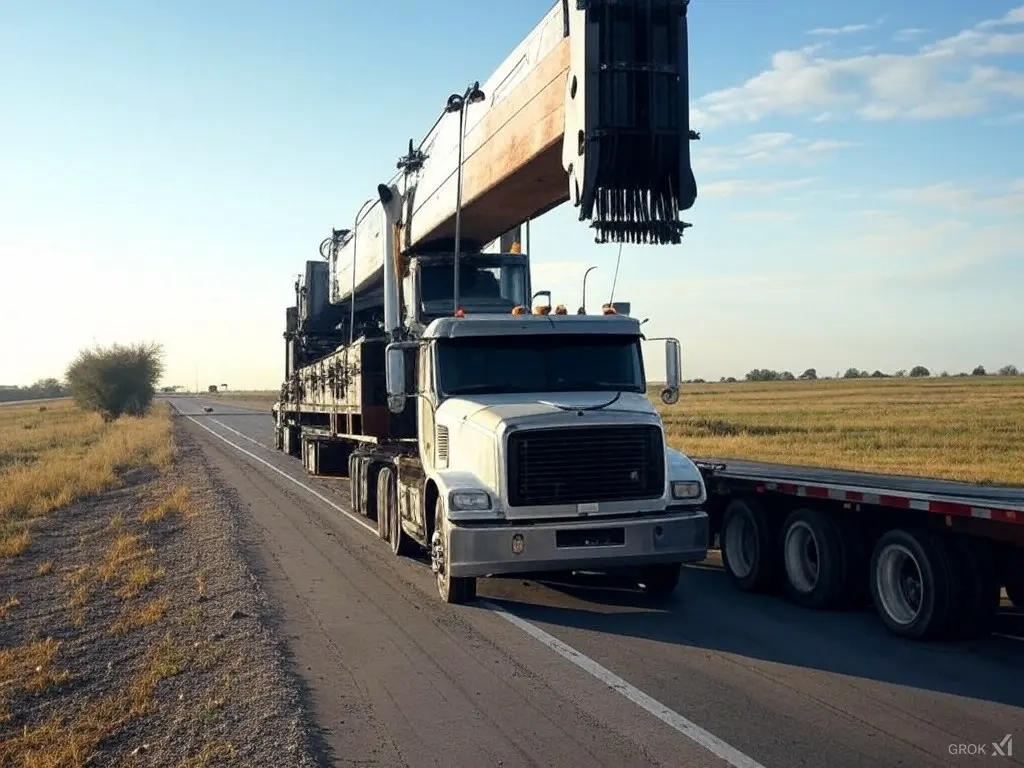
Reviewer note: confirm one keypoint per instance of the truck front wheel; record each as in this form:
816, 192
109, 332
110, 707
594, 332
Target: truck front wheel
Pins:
452, 589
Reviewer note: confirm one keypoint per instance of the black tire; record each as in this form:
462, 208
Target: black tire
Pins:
811, 551
749, 555
660, 580
974, 589
387, 489
383, 518
911, 583
452, 590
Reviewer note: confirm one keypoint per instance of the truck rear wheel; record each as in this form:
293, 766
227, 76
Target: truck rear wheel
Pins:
812, 556
748, 552
451, 589
911, 583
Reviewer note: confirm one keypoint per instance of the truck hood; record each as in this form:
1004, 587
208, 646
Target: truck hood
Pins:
490, 411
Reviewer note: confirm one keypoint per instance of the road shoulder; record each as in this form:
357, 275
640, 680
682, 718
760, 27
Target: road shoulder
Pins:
133, 629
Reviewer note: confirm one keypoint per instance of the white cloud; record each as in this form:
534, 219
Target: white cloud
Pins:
764, 217
908, 34
1008, 200
738, 187
848, 29
1014, 16
946, 78
765, 148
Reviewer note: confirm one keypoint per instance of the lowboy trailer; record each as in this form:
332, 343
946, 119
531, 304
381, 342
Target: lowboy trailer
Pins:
930, 555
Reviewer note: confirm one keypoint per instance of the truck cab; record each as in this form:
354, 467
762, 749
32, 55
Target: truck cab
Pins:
540, 451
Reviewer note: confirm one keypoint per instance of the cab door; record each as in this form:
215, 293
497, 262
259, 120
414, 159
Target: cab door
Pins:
426, 403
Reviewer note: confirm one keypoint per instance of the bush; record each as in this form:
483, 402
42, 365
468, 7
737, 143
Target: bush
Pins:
116, 380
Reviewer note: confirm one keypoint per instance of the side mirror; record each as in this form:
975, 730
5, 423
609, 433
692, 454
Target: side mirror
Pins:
673, 372
394, 365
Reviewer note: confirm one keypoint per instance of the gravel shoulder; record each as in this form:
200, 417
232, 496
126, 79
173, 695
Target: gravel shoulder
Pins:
132, 632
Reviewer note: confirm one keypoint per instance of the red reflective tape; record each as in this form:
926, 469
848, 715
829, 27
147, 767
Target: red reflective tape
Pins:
894, 501
950, 508
816, 492
854, 496
788, 488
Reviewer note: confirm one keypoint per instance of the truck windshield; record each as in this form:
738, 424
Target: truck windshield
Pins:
564, 363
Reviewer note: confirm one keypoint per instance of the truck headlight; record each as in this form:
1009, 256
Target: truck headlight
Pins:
465, 501
686, 490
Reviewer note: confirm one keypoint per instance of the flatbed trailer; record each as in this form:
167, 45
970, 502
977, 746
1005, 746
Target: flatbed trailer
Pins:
931, 555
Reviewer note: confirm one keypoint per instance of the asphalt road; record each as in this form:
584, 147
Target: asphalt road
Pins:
573, 674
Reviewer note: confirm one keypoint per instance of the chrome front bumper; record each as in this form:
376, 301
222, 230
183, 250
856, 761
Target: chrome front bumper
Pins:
484, 549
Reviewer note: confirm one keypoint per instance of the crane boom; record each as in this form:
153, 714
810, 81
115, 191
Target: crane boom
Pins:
591, 107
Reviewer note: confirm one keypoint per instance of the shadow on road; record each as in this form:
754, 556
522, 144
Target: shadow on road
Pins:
706, 612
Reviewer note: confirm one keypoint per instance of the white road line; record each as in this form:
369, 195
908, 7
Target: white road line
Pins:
670, 717
303, 486
246, 437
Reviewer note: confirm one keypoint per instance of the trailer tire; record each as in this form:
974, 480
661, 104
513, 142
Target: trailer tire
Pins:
911, 573
454, 590
387, 509
749, 556
811, 550
660, 580
974, 598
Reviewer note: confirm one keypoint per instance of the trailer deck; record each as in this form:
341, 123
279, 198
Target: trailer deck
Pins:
807, 479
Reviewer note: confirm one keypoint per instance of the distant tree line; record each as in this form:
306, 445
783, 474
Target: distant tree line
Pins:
811, 374
44, 389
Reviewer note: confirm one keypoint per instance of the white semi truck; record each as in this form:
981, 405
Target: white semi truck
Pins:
498, 438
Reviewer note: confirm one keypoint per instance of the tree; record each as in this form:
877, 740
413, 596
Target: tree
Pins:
809, 375
1009, 370
116, 380
787, 376
851, 373
762, 374
979, 371
878, 375
919, 370
901, 373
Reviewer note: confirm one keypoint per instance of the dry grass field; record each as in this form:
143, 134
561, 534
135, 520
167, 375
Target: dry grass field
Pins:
969, 428
128, 631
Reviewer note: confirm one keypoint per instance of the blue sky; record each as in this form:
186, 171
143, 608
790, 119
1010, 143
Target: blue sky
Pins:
166, 169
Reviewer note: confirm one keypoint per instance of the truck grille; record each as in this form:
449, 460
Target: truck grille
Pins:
575, 465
